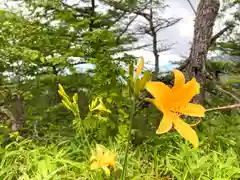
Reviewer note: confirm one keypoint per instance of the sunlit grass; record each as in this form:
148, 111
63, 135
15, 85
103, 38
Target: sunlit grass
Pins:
165, 157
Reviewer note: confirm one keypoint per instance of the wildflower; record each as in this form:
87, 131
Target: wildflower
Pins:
139, 83
100, 106
103, 158
175, 101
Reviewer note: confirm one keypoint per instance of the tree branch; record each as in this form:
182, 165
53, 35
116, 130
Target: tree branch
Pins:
224, 107
230, 94
220, 33
191, 5
126, 28
119, 18
168, 24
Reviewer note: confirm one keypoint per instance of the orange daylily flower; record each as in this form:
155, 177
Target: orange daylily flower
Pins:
103, 158
175, 101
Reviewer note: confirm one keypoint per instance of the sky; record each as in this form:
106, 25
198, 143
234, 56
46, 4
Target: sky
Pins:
181, 34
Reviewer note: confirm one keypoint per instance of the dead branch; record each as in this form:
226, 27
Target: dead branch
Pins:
224, 107
126, 28
167, 24
118, 19
191, 5
227, 92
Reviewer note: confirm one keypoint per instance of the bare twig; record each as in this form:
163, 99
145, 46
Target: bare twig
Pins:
191, 5
167, 24
217, 108
230, 94
126, 28
118, 19
224, 107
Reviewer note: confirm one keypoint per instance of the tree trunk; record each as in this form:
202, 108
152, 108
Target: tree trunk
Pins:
155, 52
205, 18
154, 36
92, 15
19, 121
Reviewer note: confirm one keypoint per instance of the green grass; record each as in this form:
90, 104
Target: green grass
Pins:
164, 157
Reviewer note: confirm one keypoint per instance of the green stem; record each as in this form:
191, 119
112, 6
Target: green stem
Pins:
129, 139
83, 130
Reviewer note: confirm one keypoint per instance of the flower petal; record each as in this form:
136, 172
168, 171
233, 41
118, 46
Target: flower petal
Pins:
158, 103
95, 165
106, 170
193, 110
140, 66
100, 150
93, 157
179, 80
191, 89
109, 159
166, 123
158, 90
186, 131
112, 158
184, 95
